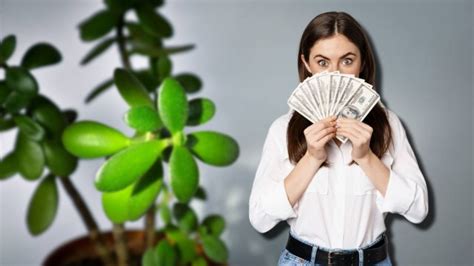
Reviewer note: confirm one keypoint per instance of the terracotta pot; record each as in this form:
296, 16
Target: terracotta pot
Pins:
81, 251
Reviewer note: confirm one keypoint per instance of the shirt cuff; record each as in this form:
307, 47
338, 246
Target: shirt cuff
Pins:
275, 201
399, 195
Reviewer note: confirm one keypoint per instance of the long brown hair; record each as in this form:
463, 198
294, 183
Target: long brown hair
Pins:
323, 26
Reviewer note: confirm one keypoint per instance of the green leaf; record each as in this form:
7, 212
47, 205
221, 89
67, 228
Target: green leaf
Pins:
59, 161
29, 127
6, 124
24, 87
152, 21
166, 254
164, 67
142, 118
154, 51
190, 82
186, 217
97, 25
4, 91
147, 79
213, 148
120, 6
215, 224
184, 173
90, 139
200, 193
172, 105
115, 204
8, 166
215, 249
139, 35
39, 55
130, 88
201, 110
43, 206
186, 246
125, 167
70, 116
7, 47
165, 213
101, 88
48, 115
150, 258
199, 261
97, 50
132, 202
146, 191
30, 157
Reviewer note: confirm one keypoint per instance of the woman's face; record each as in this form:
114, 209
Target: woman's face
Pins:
334, 53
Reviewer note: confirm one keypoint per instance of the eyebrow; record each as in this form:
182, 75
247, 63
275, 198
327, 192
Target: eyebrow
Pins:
346, 54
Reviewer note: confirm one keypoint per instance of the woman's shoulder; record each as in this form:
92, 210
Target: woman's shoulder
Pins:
280, 123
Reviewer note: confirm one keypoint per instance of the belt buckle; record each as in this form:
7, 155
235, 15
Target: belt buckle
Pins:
331, 255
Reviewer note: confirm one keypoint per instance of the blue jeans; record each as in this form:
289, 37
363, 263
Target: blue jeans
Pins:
288, 259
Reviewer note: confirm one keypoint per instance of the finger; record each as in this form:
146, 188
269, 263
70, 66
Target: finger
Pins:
349, 134
342, 120
352, 127
316, 127
323, 133
327, 138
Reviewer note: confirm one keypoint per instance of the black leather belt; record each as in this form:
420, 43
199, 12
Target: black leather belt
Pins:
376, 253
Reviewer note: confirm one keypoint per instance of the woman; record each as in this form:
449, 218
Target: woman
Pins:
334, 195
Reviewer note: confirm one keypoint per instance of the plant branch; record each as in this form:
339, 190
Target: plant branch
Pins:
150, 227
120, 246
90, 223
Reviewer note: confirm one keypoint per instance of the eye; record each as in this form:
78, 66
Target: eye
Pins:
322, 63
347, 61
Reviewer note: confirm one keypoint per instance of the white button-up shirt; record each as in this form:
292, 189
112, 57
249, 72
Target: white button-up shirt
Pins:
340, 208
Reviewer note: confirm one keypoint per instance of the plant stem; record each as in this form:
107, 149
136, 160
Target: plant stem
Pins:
90, 223
150, 227
120, 246
124, 56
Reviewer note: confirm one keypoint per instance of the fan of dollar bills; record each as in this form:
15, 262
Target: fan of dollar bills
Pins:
332, 93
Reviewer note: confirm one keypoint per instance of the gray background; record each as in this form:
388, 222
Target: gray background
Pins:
246, 55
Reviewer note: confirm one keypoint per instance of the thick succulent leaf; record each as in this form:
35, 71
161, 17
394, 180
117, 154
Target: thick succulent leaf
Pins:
131, 89
8, 166
154, 51
166, 254
164, 67
172, 105
146, 191
215, 248
7, 47
186, 246
43, 206
190, 82
213, 148
48, 115
201, 110
184, 173
186, 217
39, 55
142, 118
97, 50
153, 22
30, 157
98, 25
125, 167
4, 91
23, 85
29, 127
101, 88
59, 161
90, 139
215, 224
115, 204
139, 35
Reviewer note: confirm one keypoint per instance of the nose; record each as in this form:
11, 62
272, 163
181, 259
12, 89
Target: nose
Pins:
333, 68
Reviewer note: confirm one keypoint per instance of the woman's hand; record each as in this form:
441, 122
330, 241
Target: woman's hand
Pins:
317, 135
359, 133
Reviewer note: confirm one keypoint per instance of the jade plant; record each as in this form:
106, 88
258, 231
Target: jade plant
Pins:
132, 178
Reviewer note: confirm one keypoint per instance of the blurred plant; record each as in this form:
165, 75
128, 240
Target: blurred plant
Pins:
132, 179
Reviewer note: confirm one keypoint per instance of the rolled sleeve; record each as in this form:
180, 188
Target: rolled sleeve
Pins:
268, 202
406, 192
